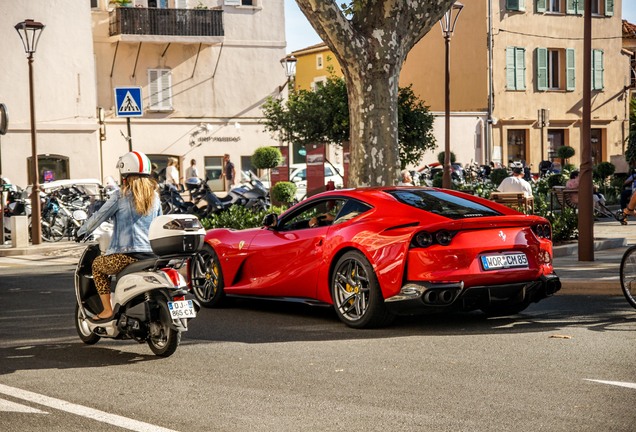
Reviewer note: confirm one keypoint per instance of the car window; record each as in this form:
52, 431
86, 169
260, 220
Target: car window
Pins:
328, 171
443, 204
301, 217
351, 209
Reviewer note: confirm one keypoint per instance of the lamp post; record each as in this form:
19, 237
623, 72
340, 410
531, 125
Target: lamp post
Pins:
30, 32
289, 64
448, 22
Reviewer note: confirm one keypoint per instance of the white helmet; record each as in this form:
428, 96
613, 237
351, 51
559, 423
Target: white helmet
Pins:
134, 163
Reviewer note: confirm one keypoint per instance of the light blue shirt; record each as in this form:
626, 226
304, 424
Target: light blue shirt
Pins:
130, 230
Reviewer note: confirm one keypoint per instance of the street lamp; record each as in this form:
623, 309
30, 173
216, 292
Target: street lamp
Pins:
289, 64
448, 22
30, 32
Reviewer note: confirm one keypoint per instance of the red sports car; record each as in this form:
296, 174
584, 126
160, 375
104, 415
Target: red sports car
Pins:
373, 253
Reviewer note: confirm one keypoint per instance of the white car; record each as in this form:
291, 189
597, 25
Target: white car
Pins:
298, 175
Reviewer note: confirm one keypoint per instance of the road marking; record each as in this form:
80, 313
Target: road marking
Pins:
6, 405
616, 383
83, 411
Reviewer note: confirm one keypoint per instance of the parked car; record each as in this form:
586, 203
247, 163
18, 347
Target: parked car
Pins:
298, 175
374, 253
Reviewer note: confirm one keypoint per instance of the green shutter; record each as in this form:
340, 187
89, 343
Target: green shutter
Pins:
541, 5
520, 67
571, 7
511, 84
597, 70
542, 68
515, 5
609, 7
570, 78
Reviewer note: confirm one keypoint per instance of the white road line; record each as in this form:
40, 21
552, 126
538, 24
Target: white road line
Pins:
6, 405
80, 410
616, 383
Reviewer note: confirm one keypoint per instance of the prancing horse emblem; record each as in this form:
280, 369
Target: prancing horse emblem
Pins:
502, 235
241, 244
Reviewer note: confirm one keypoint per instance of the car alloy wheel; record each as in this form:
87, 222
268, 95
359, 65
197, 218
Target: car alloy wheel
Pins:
207, 277
356, 293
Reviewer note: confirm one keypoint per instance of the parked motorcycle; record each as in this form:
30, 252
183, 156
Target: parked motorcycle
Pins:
251, 194
149, 301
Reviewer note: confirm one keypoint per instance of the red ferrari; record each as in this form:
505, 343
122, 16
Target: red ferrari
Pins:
374, 253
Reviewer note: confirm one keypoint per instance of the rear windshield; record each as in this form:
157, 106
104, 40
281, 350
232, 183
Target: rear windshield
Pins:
442, 203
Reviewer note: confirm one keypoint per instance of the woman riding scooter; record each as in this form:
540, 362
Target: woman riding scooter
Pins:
132, 209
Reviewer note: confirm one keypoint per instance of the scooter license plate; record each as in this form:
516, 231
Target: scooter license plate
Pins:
182, 309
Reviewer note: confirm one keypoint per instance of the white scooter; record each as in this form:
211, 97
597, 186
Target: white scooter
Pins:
149, 301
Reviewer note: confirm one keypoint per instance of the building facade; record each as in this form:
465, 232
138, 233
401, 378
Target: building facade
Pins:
204, 69
516, 80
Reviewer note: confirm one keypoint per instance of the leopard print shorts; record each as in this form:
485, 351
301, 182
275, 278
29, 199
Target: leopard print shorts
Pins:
105, 265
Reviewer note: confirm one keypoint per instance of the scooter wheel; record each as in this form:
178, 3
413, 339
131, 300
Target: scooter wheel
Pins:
83, 330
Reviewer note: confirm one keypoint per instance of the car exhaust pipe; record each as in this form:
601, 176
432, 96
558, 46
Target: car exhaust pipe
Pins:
439, 297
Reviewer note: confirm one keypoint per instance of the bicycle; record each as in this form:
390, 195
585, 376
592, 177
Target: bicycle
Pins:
628, 275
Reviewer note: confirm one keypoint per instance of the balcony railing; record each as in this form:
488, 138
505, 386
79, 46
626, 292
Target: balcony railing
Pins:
166, 22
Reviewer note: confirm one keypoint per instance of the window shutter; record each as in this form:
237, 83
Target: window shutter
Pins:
160, 85
520, 63
512, 4
510, 69
570, 69
571, 7
597, 70
541, 5
542, 68
609, 7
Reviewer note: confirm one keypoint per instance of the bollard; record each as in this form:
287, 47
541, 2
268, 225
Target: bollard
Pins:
19, 231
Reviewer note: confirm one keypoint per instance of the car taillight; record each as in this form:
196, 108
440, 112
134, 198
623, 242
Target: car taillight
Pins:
178, 298
543, 230
425, 239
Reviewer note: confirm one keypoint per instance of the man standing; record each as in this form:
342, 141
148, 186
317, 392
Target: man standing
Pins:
228, 172
516, 183
192, 170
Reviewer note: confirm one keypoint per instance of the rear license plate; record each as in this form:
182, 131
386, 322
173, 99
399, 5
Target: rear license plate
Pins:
502, 261
182, 309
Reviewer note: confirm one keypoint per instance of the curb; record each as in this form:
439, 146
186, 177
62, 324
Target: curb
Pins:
590, 287
600, 244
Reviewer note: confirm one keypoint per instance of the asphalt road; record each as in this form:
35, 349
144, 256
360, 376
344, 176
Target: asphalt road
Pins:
565, 364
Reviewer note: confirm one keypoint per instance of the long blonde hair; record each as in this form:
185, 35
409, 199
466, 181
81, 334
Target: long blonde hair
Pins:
143, 190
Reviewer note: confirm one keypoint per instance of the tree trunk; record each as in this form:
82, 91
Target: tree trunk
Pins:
371, 45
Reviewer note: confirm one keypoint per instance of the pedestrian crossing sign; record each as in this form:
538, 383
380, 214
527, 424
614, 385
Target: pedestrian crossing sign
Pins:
128, 101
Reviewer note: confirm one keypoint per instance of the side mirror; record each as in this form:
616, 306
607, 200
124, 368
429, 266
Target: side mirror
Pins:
270, 220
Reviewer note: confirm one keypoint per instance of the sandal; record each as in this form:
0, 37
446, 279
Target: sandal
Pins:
99, 320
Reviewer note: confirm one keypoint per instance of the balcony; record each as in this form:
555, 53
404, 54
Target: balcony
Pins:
166, 25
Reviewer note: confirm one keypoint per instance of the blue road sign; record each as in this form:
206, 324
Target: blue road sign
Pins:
128, 101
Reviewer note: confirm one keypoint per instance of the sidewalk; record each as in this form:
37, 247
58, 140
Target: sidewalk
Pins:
600, 276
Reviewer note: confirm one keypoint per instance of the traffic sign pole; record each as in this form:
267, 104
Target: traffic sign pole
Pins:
129, 134
128, 103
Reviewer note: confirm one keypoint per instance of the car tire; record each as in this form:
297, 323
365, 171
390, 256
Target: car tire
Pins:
206, 277
356, 293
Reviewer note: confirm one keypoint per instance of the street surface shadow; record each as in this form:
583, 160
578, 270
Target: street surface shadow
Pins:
257, 321
65, 356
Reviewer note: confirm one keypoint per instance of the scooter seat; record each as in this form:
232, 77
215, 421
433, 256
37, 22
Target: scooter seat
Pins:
137, 266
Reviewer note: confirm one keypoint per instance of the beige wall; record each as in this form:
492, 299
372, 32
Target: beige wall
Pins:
64, 87
224, 87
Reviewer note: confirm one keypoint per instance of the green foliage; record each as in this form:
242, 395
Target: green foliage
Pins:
497, 175
323, 116
284, 192
557, 180
565, 152
238, 217
441, 155
266, 157
415, 127
564, 225
604, 170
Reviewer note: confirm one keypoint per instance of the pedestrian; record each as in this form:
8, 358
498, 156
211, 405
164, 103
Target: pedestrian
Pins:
229, 172
172, 173
573, 184
192, 171
516, 183
131, 208
405, 178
